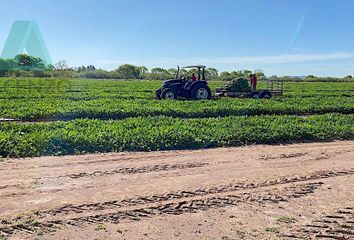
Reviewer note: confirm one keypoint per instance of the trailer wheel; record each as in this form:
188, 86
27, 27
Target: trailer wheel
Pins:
266, 95
255, 96
168, 94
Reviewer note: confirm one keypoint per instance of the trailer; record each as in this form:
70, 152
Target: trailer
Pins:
275, 87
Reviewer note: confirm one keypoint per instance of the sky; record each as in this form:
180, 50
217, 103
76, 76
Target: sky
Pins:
282, 37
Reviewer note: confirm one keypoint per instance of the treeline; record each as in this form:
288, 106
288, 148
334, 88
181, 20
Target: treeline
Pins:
128, 71
312, 78
21, 65
28, 66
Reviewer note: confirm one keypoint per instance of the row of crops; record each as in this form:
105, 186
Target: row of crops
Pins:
106, 108
77, 89
117, 115
165, 133
63, 99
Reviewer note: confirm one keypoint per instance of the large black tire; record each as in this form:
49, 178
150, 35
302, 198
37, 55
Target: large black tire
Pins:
201, 92
255, 95
168, 94
266, 95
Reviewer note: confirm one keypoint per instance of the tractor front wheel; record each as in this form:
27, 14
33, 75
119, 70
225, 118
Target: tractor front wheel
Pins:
168, 94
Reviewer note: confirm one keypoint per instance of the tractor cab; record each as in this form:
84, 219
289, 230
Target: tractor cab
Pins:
184, 86
200, 72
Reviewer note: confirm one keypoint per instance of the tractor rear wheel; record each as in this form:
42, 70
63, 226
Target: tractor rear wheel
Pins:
168, 94
201, 92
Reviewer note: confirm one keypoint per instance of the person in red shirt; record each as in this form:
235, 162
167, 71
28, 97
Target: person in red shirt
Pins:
254, 80
194, 78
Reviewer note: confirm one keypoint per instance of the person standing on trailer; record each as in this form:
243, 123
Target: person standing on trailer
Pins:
253, 78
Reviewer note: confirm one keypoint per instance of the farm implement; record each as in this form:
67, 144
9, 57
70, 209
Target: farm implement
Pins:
274, 88
198, 89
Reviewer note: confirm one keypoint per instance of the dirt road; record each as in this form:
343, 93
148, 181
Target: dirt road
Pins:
303, 191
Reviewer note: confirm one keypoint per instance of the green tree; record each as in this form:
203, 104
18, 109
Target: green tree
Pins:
226, 76
246, 72
237, 74
4, 66
37, 63
259, 73
182, 73
50, 67
172, 71
143, 70
310, 77
27, 62
158, 70
128, 71
193, 70
211, 73
23, 60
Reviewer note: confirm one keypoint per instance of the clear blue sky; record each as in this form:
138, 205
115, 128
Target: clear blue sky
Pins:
284, 37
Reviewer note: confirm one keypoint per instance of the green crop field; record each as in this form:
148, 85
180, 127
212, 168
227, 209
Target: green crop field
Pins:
116, 115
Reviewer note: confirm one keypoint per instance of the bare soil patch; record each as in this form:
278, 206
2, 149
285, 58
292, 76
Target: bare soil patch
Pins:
300, 191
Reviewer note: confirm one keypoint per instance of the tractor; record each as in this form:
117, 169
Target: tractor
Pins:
185, 88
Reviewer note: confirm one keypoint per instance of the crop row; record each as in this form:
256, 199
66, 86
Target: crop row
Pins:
59, 109
165, 133
78, 89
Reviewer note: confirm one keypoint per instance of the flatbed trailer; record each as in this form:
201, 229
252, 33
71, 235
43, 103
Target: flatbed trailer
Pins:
274, 88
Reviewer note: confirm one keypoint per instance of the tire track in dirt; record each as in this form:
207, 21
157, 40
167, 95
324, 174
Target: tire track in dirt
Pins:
66, 209
283, 155
172, 203
120, 158
136, 170
322, 156
338, 225
31, 226
203, 204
